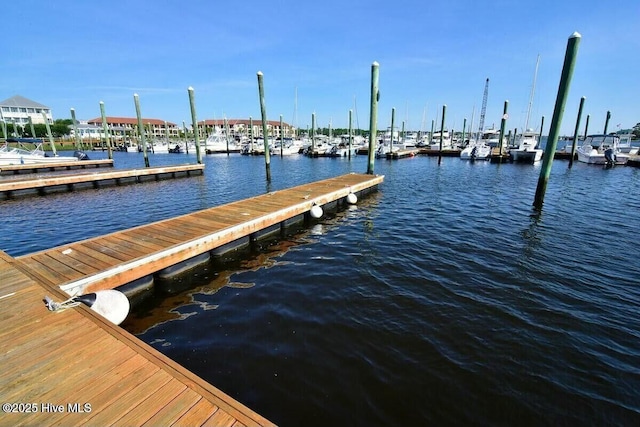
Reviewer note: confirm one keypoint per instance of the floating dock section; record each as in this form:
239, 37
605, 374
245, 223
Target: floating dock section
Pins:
62, 165
116, 259
401, 154
73, 367
69, 182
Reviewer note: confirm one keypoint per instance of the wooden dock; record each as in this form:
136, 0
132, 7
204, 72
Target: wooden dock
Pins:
69, 182
402, 154
62, 165
75, 368
115, 259
441, 153
634, 161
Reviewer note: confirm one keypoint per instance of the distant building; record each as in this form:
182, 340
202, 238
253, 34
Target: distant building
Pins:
87, 131
241, 127
128, 126
19, 109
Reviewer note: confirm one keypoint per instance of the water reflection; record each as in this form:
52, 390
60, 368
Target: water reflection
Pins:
194, 292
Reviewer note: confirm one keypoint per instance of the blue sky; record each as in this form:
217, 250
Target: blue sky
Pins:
317, 56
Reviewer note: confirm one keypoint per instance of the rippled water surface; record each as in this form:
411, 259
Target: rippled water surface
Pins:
442, 299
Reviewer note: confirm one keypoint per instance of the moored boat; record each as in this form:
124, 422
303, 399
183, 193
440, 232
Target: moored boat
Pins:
23, 156
527, 150
601, 150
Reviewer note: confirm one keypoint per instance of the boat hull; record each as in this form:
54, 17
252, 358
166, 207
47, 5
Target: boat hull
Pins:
526, 156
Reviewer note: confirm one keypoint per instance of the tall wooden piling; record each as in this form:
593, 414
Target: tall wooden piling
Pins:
5, 135
194, 123
503, 124
575, 132
433, 124
464, 128
586, 126
75, 128
373, 115
33, 131
606, 122
556, 120
281, 138
350, 133
143, 142
186, 140
105, 129
444, 113
51, 141
393, 120
226, 133
265, 135
166, 132
313, 132
250, 135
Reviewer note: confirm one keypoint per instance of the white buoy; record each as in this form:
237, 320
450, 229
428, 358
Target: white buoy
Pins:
316, 211
352, 199
111, 304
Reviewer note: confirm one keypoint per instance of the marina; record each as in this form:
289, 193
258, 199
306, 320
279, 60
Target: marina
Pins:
427, 284
299, 275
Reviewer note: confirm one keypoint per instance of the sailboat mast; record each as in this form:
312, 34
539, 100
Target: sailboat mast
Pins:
533, 90
483, 110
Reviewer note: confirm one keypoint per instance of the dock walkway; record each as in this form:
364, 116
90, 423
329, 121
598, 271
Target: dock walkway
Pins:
67, 182
75, 368
115, 259
61, 165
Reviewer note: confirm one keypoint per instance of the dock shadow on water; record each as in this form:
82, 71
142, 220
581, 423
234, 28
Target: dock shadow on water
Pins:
193, 292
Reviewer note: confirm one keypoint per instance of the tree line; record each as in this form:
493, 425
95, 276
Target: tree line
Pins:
58, 128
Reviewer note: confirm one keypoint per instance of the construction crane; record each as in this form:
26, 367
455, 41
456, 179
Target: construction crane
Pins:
484, 108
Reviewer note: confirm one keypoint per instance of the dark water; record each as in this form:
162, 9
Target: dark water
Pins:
442, 299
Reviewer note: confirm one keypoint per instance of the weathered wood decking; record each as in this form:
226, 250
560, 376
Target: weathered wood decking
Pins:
11, 187
75, 368
62, 165
115, 259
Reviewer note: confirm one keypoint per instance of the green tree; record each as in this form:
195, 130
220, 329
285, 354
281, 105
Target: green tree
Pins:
636, 130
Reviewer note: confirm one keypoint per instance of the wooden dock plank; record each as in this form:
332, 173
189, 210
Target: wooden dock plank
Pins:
202, 410
51, 261
132, 399
154, 234
47, 381
111, 247
76, 356
95, 258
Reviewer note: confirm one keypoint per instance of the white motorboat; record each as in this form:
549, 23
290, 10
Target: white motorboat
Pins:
601, 150
476, 150
527, 151
437, 138
625, 144
22, 156
217, 143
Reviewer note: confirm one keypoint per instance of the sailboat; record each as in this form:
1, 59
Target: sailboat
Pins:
528, 151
